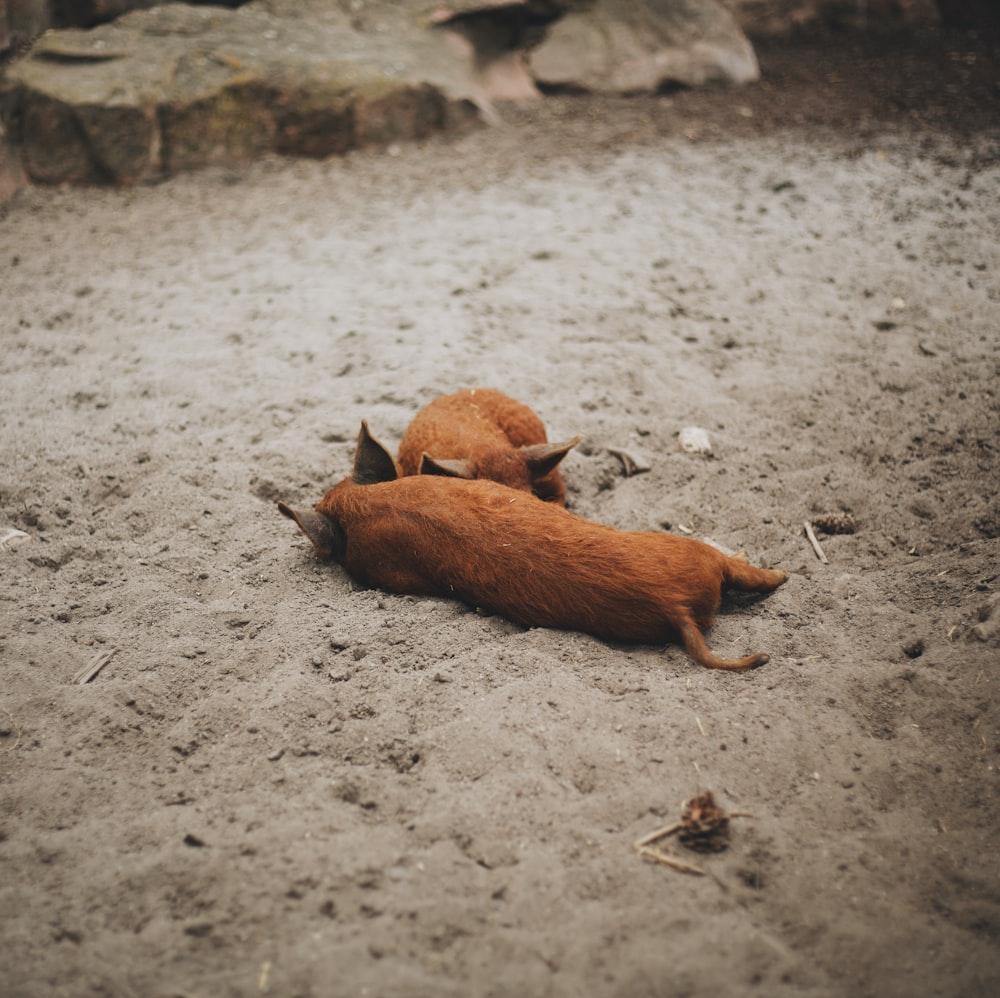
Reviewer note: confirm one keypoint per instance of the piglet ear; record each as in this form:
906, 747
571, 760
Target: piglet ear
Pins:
451, 468
326, 535
372, 462
542, 458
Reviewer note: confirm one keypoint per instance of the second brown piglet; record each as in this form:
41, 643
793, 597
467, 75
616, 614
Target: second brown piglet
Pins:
508, 552
482, 433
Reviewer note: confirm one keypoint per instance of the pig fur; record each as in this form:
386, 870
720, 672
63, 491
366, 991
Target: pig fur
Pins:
482, 433
508, 552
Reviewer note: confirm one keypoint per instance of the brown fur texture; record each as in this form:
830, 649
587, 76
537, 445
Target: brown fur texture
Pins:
508, 552
482, 433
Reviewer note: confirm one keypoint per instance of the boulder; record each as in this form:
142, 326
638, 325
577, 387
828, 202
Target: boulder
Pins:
175, 86
632, 46
610, 46
178, 86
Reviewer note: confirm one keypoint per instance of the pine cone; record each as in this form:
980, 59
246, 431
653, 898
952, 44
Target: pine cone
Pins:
835, 523
704, 825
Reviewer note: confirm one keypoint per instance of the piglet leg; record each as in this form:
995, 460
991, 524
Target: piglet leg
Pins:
740, 574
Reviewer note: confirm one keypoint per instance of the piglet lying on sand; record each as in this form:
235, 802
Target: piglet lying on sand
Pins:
508, 552
482, 433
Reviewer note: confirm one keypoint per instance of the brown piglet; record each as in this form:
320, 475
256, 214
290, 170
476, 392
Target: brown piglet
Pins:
482, 433
508, 552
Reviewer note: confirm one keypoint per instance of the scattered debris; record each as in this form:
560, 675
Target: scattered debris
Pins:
93, 667
668, 859
828, 523
632, 461
815, 543
835, 523
695, 440
10, 537
704, 827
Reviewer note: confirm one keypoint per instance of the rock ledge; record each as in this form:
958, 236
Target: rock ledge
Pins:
176, 86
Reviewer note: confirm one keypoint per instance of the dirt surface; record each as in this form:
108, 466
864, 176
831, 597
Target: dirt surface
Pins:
278, 784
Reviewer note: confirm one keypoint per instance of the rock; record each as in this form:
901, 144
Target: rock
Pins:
21, 21
496, 36
632, 46
86, 13
989, 619
695, 440
177, 87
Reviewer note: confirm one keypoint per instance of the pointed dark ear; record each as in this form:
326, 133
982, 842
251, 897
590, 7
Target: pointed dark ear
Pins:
326, 535
372, 462
542, 458
450, 467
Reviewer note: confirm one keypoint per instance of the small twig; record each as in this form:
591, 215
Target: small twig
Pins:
704, 827
668, 830
93, 667
815, 543
660, 833
665, 859
633, 463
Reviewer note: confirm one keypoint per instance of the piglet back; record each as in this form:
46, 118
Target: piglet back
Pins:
509, 552
483, 433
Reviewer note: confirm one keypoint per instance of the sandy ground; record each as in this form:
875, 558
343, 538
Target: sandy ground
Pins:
282, 785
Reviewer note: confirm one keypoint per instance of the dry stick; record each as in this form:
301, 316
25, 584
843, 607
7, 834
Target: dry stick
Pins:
674, 864
631, 462
660, 833
815, 543
94, 666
